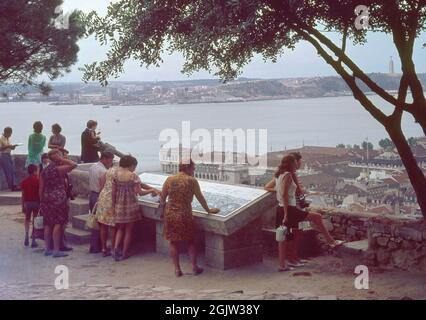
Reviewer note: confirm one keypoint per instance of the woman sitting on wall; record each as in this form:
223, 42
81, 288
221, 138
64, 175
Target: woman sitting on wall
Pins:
288, 214
57, 140
178, 221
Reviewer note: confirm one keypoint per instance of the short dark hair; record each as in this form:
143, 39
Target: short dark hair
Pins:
44, 156
38, 127
107, 155
297, 155
91, 123
32, 168
7, 130
56, 128
128, 161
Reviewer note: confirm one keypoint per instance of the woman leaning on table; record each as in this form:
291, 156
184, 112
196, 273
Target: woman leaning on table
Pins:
178, 220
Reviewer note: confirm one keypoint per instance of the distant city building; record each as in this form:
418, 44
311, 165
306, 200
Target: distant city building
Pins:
391, 66
112, 93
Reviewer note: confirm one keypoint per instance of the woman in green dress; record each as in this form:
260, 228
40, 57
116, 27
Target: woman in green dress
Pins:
36, 144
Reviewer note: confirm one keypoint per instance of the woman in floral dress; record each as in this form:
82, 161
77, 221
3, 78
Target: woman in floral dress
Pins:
54, 201
104, 212
126, 187
178, 221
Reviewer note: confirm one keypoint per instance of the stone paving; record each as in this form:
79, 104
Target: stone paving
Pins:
40, 291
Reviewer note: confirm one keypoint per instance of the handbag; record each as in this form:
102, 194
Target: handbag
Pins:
92, 220
39, 222
281, 233
301, 202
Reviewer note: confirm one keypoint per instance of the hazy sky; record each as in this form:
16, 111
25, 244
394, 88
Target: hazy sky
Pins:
303, 61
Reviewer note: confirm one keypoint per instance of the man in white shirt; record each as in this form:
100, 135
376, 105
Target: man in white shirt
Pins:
96, 174
6, 161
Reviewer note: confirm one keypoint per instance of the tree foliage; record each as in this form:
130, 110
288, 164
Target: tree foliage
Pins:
367, 145
32, 44
222, 36
386, 144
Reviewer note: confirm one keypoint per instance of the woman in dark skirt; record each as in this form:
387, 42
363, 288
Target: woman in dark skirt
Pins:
54, 200
288, 213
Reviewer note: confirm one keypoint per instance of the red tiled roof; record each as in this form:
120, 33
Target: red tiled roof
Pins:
380, 210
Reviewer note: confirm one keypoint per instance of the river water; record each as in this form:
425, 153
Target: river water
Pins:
136, 129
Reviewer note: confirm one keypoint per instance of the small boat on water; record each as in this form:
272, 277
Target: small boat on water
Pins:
106, 107
117, 120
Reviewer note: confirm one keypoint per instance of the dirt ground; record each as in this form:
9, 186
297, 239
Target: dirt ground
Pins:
23, 268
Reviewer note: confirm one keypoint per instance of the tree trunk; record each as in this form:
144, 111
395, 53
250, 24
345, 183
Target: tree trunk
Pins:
420, 116
416, 175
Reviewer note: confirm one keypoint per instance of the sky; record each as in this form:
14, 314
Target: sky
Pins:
301, 62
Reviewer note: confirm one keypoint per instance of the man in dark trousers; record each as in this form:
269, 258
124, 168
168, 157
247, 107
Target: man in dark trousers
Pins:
89, 141
96, 182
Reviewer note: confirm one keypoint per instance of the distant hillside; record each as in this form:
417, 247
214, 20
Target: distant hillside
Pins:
213, 90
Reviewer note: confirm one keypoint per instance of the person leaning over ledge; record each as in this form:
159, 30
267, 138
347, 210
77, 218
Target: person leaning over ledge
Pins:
126, 187
178, 221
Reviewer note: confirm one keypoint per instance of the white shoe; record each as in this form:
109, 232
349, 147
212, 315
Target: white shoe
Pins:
296, 264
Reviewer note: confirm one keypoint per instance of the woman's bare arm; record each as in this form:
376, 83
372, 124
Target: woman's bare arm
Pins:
200, 197
286, 186
270, 186
66, 166
148, 187
164, 192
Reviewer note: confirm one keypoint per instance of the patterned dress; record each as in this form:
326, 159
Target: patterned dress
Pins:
126, 200
54, 202
178, 220
104, 205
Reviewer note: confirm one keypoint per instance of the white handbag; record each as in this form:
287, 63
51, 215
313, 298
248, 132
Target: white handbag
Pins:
38, 222
92, 221
280, 233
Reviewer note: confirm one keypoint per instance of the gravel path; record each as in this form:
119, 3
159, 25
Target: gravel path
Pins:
26, 274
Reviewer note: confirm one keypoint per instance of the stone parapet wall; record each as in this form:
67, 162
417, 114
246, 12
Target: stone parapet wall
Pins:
398, 242
20, 171
347, 226
393, 241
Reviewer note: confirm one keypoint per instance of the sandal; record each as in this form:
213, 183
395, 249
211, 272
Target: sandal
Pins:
116, 256
198, 271
106, 253
296, 264
336, 244
178, 273
285, 269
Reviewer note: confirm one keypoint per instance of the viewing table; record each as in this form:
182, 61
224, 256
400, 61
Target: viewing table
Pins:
232, 238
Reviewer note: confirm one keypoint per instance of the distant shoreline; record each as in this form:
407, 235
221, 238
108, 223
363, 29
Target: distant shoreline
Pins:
114, 104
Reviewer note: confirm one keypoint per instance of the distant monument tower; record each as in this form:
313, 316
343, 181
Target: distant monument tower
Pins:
391, 66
